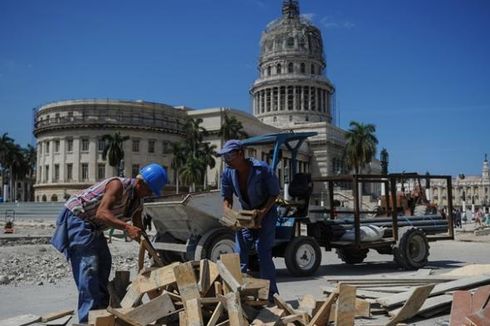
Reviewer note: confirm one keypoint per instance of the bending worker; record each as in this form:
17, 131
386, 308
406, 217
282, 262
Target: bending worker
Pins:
257, 187
79, 230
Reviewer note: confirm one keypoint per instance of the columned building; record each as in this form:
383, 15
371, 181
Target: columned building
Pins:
293, 92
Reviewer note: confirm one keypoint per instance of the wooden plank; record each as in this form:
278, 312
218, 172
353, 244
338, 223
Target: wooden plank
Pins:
182, 318
186, 282
431, 304
59, 321
469, 270
232, 264
123, 317
481, 317
412, 305
194, 312
461, 307
269, 316
281, 304
473, 281
234, 308
321, 317
307, 304
152, 310
56, 315
231, 282
147, 282
402, 279
212, 276
479, 298
216, 314
101, 318
359, 293
346, 309
363, 308
20, 320
218, 288
203, 283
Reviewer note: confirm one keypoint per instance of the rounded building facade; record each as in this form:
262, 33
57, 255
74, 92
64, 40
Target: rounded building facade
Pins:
69, 141
292, 87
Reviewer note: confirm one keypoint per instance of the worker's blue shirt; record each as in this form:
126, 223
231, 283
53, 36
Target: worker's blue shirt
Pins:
262, 184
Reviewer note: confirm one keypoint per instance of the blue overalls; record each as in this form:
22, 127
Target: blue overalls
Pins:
262, 184
86, 249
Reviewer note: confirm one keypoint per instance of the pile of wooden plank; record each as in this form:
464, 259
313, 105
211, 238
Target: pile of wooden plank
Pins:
424, 296
239, 219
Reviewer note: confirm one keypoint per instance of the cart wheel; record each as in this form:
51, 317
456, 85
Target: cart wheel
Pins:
352, 256
214, 243
412, 249
166, 256
303, 256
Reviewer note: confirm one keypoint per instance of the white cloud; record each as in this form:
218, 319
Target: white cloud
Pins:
331, 23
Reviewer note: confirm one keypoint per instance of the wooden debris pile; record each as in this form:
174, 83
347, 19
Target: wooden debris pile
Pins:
464, 294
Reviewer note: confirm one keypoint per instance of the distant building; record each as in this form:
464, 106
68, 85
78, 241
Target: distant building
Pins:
292, 92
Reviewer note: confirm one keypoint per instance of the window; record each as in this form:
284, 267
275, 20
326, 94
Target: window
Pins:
69, 145
269, 71
290, 42
278, 69
151, 146
100, 171
290, 68
135, 170
40, 148
56, 172
46, 173
166, 148
47, 148
69, 172
57, 117
100, 145
84, 144
56, 146
312, 69
290, 118
136, 145
302, 68
84, 171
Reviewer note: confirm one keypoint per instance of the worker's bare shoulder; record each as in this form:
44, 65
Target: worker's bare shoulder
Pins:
114, 187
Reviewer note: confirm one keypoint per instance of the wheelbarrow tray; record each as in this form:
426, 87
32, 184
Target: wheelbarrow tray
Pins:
181, 217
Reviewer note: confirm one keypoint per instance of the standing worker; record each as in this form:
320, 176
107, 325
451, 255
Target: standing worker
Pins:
79, 230
257, 187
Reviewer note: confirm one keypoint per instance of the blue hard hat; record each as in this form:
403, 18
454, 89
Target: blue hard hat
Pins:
155, 177
230, 146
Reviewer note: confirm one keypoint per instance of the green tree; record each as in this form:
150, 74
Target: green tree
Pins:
114, 151
384, 157
191, 172
180, 152
6, 144
361, 145
207, 156
232, 128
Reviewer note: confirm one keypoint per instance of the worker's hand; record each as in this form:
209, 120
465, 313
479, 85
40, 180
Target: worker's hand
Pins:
134, 232
259, 216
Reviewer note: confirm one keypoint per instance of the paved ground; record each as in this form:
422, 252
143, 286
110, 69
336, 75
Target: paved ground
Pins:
445, 255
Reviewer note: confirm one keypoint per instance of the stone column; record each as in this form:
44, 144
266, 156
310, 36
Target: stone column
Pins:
76, 160
302, 97
279, 99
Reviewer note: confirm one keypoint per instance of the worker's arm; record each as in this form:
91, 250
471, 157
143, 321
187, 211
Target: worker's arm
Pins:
228, 203
113, 193
137, 218
262, 212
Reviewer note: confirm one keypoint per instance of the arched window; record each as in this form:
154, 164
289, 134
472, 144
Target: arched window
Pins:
54, 197
302, 68
44, 198
290, 68
269, 71
278, 69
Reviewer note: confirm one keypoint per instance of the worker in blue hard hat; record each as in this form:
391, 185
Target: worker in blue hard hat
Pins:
79, 230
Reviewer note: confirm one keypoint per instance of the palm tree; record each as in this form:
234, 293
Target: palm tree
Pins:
384, 156
30, 158
18, 169
232, 128
207, 154
361, 145
114, 150
191, 172
194, 134
179, 152
6, 144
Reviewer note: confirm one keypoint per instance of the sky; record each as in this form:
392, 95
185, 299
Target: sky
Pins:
418, 70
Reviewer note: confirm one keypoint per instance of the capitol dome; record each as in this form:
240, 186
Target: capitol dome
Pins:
292, 87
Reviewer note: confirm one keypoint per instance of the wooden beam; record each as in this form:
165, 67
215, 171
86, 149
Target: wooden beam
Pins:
152, 310
194, 312
56, 315
234, 308
469, 282
101, 318
123, 317
461, 307
412, 305
208, 274
283, 305
216, 314
346, 305
321, 317
231, 282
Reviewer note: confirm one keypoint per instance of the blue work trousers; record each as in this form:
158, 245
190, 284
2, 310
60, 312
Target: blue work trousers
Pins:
263, 239
91, 265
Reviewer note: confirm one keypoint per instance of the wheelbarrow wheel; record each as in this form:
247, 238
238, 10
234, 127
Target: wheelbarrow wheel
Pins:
352, 256
215, 243
303, 256
166, 256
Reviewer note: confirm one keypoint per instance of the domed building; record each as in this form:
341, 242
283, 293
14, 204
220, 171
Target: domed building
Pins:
293, 92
